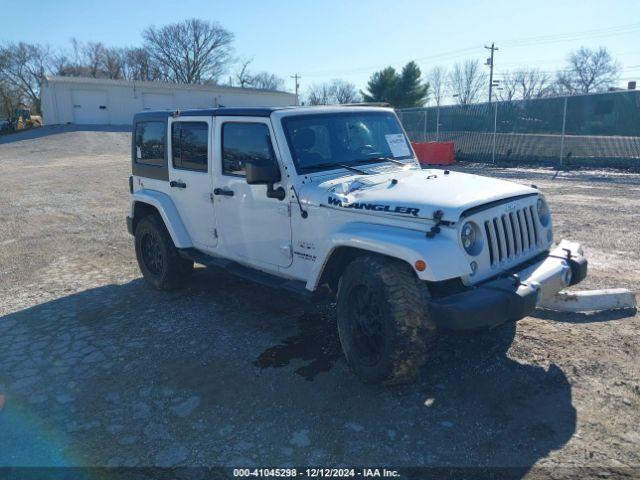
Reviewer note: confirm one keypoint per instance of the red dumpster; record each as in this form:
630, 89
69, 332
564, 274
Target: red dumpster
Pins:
434, 153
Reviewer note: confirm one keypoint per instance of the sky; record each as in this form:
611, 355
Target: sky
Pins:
325, 39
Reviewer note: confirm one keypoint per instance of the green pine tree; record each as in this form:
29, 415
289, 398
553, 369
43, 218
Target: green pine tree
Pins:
382, 87
400, 90
413, 93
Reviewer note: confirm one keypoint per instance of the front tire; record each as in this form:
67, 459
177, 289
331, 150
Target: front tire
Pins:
382, 320
158, 258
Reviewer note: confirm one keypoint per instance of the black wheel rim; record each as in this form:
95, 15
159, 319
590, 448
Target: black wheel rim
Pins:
367, 325
151, 253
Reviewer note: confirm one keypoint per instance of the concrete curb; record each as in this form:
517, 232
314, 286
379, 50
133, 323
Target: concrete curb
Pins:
590, 300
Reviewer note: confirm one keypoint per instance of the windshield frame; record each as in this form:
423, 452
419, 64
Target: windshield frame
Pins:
301, 170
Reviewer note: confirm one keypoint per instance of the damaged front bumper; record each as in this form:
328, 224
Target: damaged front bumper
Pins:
515, 294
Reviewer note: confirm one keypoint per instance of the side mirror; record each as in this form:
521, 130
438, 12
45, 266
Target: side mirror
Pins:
261, 172
265, 172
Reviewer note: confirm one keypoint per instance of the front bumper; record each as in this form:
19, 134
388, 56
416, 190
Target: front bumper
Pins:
515, 294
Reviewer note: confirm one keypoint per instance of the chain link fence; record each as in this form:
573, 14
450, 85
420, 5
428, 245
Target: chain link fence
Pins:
585, 130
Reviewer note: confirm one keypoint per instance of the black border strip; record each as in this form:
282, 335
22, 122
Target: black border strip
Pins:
487, 206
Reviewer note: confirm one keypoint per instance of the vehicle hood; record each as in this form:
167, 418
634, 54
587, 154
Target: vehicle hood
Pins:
410, 193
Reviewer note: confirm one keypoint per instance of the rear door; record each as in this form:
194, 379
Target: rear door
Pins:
190, 145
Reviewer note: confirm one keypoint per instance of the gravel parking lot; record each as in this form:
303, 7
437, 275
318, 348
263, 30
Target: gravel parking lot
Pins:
97, 369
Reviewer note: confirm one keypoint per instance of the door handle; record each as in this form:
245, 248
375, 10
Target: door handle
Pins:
223, 191
177, 184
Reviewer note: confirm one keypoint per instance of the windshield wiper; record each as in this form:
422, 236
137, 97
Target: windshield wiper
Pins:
377, 159
355, 169
335, 165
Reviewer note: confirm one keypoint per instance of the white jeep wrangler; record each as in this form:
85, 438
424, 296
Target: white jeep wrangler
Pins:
332, 199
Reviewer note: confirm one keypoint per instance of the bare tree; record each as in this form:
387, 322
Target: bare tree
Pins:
93, 58
90, 60
68, 63
23, 69
533, 84
10, 99
589, 70
10, 96
139, 66
267, 81
467, 80
61, 65
507, 87
76, 51
243, 76
524, 85
113, 63
193, 51
319, 94
262, 80
334, 92
344, 92
438, 82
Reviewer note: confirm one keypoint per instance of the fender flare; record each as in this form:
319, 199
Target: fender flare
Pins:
442, 255
169, 213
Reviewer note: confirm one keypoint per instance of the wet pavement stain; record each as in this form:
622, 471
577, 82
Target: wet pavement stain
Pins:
316, 342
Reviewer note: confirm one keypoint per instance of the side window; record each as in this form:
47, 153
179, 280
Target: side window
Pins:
242, 141
150, 141
189, 145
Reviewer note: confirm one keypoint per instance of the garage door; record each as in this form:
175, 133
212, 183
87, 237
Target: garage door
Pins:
157, 101
90, 107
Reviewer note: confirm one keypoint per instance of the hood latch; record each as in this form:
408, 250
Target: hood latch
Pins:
437, 217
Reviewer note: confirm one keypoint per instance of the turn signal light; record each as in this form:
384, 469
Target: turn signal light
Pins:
420, 265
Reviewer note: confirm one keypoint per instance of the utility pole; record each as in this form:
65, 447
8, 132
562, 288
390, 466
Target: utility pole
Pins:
297, 77
493, 48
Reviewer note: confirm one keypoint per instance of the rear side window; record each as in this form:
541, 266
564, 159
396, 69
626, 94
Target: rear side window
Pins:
189, 145
243, 141
150, 140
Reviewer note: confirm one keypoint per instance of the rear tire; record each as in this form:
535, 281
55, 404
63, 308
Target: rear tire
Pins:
382, 320
158, 258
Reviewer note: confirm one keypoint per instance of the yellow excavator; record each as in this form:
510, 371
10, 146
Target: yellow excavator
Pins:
22, 119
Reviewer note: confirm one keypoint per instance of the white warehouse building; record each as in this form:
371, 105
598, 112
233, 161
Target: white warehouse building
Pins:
97, 101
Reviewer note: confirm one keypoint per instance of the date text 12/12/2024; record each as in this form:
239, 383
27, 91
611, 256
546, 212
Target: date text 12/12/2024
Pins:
316, 472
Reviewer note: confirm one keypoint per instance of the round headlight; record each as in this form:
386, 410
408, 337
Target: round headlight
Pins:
543, 212
471, 239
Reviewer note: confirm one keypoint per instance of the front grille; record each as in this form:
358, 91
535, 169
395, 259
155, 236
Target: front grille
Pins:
511, 235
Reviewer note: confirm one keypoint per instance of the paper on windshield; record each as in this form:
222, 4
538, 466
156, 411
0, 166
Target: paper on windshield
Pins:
398, 145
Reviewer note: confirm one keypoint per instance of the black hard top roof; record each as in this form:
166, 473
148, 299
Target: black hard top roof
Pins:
208, 112
236, 111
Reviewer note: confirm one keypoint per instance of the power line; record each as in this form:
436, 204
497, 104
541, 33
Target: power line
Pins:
557, 70
514, 43
564, 37
550, 60
451, 53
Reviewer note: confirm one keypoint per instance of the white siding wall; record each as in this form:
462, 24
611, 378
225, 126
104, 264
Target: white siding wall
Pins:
69, 101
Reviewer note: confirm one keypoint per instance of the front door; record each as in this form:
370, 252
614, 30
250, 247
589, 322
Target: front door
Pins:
251, 226
190, 142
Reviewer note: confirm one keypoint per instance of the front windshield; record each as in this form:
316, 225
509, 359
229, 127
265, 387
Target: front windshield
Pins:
329, 140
